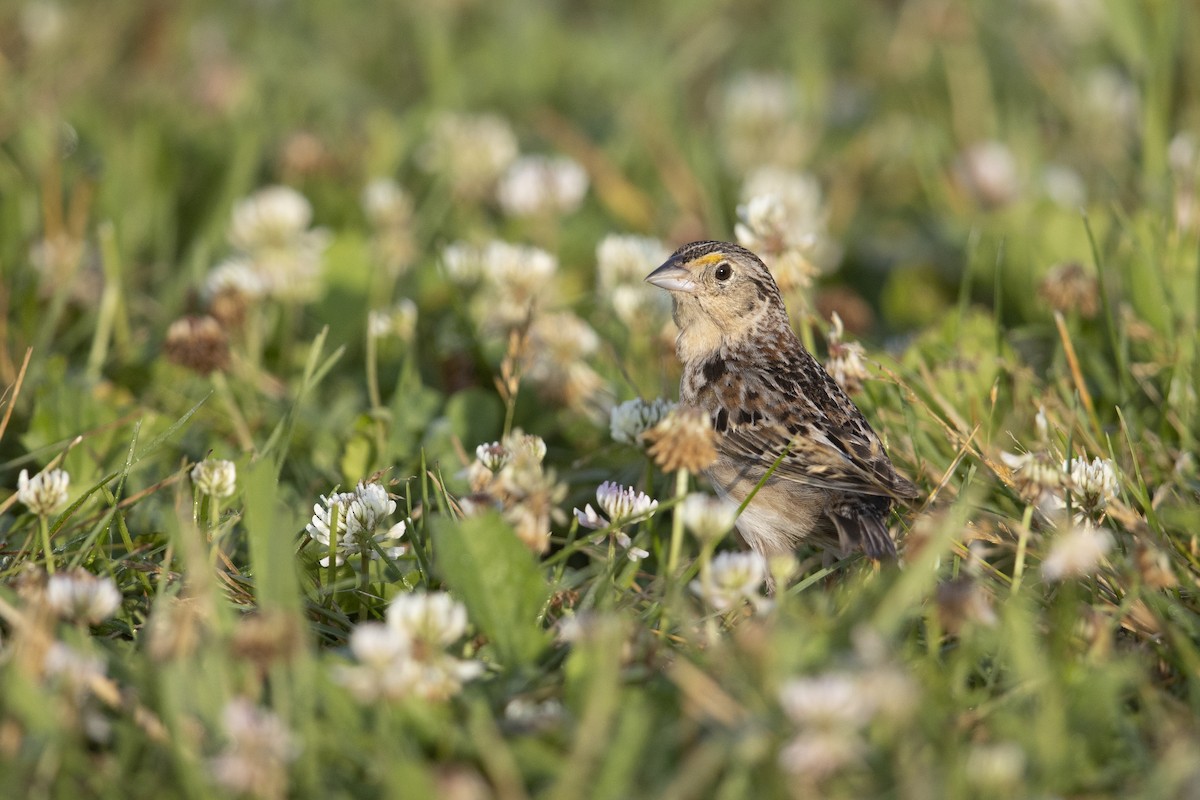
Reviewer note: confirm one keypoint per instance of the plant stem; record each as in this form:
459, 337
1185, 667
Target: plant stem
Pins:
681, 485
334, 510
1022, 544
44, 528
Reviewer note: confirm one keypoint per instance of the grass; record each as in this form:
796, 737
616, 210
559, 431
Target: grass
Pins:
981, 667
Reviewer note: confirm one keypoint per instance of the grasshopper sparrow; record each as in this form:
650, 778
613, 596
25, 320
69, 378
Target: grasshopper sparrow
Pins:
770, 401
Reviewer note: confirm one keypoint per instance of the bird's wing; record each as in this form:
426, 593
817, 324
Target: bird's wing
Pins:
810, 427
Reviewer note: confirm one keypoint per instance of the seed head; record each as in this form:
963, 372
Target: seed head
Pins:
197, 343
683, 440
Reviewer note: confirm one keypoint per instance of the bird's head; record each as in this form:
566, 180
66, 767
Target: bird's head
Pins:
722, 292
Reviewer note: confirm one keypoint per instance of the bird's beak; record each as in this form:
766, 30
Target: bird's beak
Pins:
672, 277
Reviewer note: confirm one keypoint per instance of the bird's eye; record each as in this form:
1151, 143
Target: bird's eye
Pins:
723, 272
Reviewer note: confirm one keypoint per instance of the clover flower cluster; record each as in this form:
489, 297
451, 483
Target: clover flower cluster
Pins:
278, 255
469, 152
80, 596
622, 264
1052, 484
510, 476
622, 506
389, 209
708, 518
399, 321
731, 580
846, 364
511, 290
759, 122
782, 218
259, 747
360, 527
406, 656
629, 420
542, 186
831, 713
558, 347
512, 281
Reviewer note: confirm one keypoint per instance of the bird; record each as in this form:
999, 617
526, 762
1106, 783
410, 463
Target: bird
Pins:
780, 419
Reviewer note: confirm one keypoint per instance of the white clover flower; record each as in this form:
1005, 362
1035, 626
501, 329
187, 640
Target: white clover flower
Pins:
494, 456
400, 321
1093, 484
271, 217
368, 508
386, 204
385, 666
406, 657
1076, 552
1039, 479
469, 152
512, 279
72, 669
995, 766
759, 122
1112, 99
45, 493
760, 95
631, 419
526, 446
270, 229
378, 645
542, 185
782, 218
987, 172
80, 596
623, 259
835, 699
707, 517
260, 748
733, 578
516, 278
215, 477
463, 262
442, 678
505, 264
847, 360
434, 618
361, 516
622, 263
1063, 186
799, 196
555, 360
235, 275
526, 493
624, 503
818, 754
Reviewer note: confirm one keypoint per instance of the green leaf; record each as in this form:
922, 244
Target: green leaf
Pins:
484, 563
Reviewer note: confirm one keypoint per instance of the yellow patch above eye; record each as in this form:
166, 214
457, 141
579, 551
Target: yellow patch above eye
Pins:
711, 258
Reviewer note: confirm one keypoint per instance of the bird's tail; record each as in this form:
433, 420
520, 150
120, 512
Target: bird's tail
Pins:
861, 523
